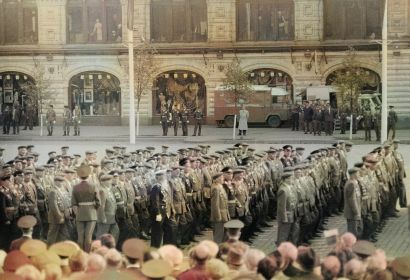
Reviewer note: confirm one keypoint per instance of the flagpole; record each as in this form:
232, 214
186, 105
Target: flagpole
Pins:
384, 76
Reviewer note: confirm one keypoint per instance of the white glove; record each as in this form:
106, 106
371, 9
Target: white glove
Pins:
158, 218
54, 122
79, 121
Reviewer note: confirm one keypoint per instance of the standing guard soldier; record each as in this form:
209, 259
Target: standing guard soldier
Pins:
59, 211
377, 123
51, 120
164, 121
85, 200
179, 202
352, 209
368, 122
401, 174
175, 119
66, 121
198, 117
29, 116
77, 120
343, 119
106, 222
329, 117
16, 117
295, 118
184, 121
7, 119
317, 120
391, 122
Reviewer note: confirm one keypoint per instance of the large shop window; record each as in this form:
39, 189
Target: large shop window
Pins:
18, 22
179, 90
355, 19
94, 21
97, 93
265, 20
179, 21
13, 89
273, 78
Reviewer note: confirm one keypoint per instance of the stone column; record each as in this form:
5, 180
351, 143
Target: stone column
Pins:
221, 20
51, 22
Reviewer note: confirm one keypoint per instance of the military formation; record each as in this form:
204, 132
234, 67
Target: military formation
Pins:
172, 197
317, 118
176, 118
15, 116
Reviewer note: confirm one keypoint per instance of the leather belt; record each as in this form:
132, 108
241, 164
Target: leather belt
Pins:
86, 203
189, 194
231, 201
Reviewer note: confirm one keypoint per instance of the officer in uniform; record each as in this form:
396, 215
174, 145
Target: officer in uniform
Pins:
317, 120
184, 121
401, 174
67, 117
175, 119
51, 120
368, 122
219, 207
377, 122
59, 212
106, 222
77, 120
42, 199
352, 209
343, 119
179, 203
162, 213
329, 116
164, 121
29, 202
286, 208
391, 122
9, 204
7, 119
122, 214
85, 200
16, 117
198, 117
29, 115
26, 225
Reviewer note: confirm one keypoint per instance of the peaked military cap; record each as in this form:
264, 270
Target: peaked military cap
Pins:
27, 221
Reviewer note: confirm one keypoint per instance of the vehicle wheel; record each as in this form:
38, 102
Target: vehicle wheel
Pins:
273, 121
229, 120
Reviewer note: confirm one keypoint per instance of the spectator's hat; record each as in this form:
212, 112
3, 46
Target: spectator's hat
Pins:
45, 258
59, 178
27, 222
33, 247
156, 269
401, 266
364, 248
234, 224
134, 248
64, 249
236, 253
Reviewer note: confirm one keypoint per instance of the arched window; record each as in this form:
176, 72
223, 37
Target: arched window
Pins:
265, 20
18, 22
97, 93
12, 88
179, 89
179, 21
94, 21
354, 19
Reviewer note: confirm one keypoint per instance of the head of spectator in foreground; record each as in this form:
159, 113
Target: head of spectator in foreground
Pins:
173, 255
354, 269
29, 272
252, 258
107, 240
307, 258
113, 259
199, 255
348, 240
95, 263
330, 268
267, 267
217, 269
289, 254
78, 261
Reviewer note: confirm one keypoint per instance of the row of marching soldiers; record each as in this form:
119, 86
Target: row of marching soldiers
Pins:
374, 189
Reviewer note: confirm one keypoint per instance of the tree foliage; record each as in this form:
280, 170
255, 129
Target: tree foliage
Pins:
350, 80
38, 92
236, 83
145, 69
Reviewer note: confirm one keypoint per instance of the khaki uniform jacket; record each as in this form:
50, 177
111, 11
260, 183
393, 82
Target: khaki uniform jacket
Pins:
287, 202
352, 197
58, 206
87, 200
219, 204
106, 212
179, 195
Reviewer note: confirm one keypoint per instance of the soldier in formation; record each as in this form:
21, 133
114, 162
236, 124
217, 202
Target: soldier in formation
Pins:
76, 120
171, 197
50, 120
198, 117
67, 118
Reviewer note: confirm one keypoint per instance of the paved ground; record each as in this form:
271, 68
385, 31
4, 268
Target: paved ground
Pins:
395, 237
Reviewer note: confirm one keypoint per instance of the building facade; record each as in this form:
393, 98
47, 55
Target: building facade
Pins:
82, 46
